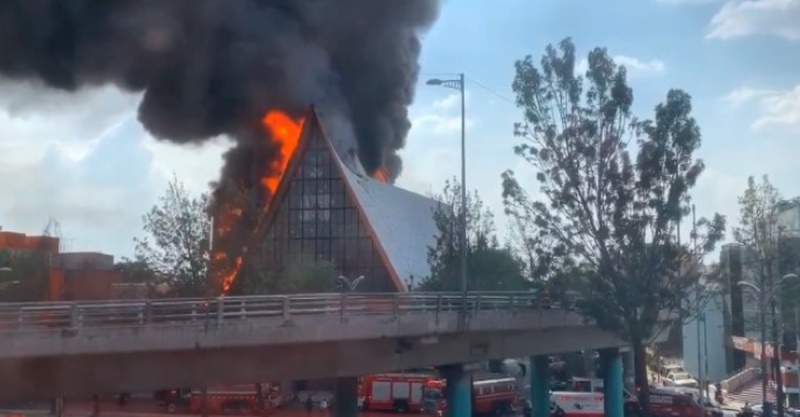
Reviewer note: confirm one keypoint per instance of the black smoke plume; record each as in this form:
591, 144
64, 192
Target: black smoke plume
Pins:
213, 67
210, 67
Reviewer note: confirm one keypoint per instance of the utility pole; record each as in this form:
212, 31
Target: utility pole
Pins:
459, 84
765, 296
763, 312
700, 311
700, 316
775, 337
797, 353
463, 193
776, 358
705, 353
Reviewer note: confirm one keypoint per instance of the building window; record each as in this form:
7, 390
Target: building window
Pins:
318, 218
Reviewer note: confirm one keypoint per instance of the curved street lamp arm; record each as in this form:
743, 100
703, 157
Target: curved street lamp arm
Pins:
756, 290
751, 286
783, 279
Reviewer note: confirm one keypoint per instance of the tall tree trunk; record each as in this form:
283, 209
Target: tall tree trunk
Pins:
640, 376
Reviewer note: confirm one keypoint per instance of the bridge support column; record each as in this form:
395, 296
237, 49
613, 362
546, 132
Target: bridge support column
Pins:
589, 367
540, 386
458, 390
611, 361
628, 371
345, 397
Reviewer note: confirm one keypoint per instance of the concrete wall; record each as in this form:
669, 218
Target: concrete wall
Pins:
96, 360
90, 284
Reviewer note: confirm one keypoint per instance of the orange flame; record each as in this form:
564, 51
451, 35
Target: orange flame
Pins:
380, 175
287, 133
229, 277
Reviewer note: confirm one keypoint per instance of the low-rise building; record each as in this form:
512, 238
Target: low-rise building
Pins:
70, 276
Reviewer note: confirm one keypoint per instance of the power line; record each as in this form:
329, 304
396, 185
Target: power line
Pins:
439, 74
494, 93
478, 83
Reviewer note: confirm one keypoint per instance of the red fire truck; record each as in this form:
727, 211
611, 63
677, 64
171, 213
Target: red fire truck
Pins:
490, 395
398, 392
585, 399
240, 399
666, 403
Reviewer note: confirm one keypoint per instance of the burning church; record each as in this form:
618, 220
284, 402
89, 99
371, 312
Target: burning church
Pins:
249, 70
326, 206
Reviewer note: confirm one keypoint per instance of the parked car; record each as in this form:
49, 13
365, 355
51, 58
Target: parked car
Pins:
681, 379
665, 370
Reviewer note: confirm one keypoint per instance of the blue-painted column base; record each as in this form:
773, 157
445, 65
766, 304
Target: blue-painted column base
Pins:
613, 404
345, 399
540, 386
458, 390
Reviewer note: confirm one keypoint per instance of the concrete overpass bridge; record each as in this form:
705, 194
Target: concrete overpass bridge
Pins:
71, 349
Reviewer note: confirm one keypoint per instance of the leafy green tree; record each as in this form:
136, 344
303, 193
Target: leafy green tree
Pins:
760, 232
176, 245
489, 265
303, 274
136, 272
618, 214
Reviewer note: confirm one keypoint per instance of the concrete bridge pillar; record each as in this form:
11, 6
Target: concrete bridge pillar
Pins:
628, 370
540, 386
611, 364
345, 397
458, 390
588, 364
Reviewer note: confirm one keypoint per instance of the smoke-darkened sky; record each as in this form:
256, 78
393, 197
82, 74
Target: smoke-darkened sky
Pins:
743, 79
213, 67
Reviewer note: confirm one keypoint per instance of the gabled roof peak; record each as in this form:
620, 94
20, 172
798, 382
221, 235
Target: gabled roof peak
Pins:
400, 222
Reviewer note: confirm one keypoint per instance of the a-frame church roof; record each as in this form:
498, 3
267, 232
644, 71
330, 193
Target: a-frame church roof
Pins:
401, 222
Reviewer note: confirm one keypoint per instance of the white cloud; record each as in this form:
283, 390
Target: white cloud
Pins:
442, 117
744, 95
194, 166
452, 101
757, 17
98, 197
449, 102
85, 160
635, 66
780, 109
440, 125
775, 108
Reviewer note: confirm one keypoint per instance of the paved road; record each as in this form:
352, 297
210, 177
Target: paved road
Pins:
148, 408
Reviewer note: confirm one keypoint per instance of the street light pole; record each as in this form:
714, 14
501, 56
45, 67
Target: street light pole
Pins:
699, 351
459, 84
776, 359
463, 190
705, 354
764, 296
797, 354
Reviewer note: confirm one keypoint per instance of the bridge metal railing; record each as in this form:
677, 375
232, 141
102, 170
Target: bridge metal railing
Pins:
22, 317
